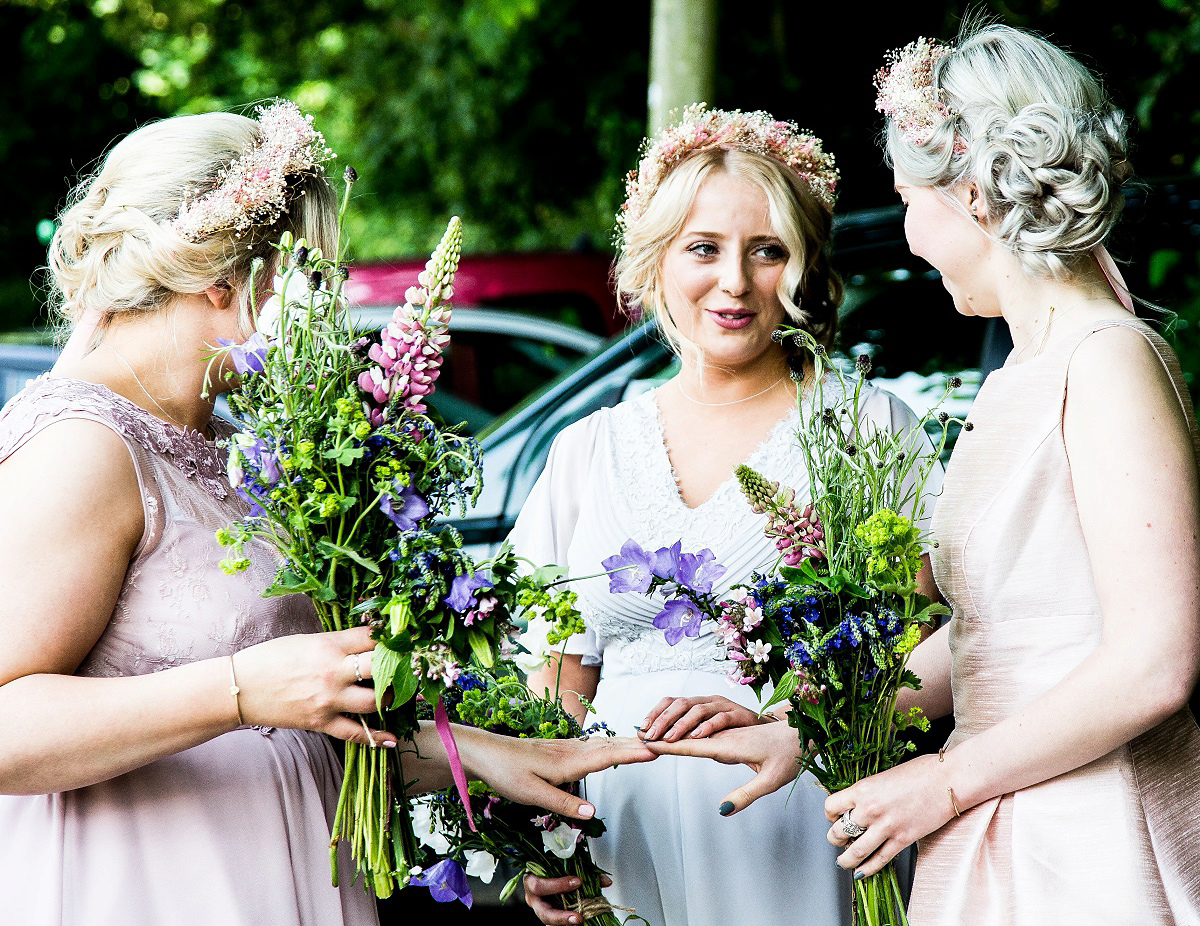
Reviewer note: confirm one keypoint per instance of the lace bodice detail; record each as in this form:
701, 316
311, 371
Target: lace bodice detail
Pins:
176, 605
609, 479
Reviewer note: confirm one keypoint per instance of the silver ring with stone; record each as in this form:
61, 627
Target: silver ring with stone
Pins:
357, 672
849, 827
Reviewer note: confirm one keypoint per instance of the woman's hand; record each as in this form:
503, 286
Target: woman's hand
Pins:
674, 718
538, 892
530, 771
311, 681
896, 808
770, 749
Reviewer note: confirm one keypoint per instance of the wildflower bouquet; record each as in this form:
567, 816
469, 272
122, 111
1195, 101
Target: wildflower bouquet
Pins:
543, 844
344, 469
830, 631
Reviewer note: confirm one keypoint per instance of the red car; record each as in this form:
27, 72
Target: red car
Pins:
570, 287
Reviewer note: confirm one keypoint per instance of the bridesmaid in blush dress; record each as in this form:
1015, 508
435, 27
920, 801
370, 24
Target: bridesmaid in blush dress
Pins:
1069, 791
163, 748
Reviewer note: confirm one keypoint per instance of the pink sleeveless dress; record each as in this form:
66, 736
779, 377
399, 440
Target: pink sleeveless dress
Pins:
1115, 842
233, 831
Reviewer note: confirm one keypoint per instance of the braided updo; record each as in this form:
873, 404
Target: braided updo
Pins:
116, 249
1036, 132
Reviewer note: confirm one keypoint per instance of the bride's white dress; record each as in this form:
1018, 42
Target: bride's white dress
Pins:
672, 856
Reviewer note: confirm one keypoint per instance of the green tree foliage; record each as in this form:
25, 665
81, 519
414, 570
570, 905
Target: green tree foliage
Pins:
486, 108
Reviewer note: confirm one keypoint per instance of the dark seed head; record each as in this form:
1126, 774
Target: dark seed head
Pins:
968, 427
350, 174
777, 336
300, 255
343, 273
819, 350
862, 363
316, 279
851, 450
943, 417
955, 382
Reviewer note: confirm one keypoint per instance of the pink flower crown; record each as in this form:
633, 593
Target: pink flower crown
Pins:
252, 190
906, 94
700, 129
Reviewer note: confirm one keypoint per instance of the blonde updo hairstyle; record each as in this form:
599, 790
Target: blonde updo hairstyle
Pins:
809, 288
116, 250
1039, 136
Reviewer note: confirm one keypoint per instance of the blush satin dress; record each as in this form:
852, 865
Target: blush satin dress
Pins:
1117, 841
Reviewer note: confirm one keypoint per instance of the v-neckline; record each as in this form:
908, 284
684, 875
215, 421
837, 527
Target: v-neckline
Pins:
791, 415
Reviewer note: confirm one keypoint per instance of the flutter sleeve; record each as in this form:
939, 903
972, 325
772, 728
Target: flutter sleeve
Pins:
547, 522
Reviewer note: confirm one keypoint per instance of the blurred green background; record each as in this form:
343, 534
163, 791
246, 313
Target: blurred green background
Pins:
522, 116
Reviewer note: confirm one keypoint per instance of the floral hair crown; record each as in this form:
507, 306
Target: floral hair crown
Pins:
701, 129
906, 95
252, 190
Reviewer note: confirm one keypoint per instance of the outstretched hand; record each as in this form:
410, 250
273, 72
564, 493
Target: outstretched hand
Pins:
530, 771
771, 750
674, 718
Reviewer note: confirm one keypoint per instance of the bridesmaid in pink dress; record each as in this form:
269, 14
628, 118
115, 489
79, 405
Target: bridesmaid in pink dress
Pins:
163, 756
1068, 527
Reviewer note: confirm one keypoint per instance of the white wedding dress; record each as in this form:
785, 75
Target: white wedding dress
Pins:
672, 856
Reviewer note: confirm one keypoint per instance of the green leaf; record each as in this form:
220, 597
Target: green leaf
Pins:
405, 685
344, 455
481, 646
783, 690
288, 583
548, 575
334, 549
385, 663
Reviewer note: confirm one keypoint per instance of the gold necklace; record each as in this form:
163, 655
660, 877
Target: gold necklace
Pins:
1044, 328
129, 367
683, 392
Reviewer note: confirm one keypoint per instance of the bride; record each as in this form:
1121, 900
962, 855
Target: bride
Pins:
725, 236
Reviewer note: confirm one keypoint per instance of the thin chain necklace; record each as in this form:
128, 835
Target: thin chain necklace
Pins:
129, 367
1044, 328
683, 392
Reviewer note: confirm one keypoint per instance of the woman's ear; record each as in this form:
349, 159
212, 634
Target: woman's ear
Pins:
220, 295
972, 198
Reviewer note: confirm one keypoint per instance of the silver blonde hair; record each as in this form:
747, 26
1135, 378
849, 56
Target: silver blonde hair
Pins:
1038, 135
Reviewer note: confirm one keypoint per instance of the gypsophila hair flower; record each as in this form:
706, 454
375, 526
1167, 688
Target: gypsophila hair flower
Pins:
906, 94
700, 129
252, 190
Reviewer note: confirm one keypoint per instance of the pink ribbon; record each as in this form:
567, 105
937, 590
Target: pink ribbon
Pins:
442, 723
1112, 273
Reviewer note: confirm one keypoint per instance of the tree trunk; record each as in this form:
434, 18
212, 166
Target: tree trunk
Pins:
682, 54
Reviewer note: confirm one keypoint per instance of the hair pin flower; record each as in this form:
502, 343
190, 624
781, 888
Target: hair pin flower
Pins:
700, 129
252, 190
906, 94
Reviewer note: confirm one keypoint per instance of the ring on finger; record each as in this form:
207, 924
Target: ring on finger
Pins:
849, 827
357, 669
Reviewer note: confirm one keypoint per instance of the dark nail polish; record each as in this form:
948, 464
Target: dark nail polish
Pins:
859, 875
725, 809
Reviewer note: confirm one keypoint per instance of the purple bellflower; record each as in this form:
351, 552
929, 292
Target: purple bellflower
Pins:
636, 569
698, 571
462, 596
679, 618
446, 882
409, 510
249, 356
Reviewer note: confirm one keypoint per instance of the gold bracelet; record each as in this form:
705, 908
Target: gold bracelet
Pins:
234, 690
953, 802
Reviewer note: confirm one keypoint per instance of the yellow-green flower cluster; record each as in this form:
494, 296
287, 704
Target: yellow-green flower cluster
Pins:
892, 545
